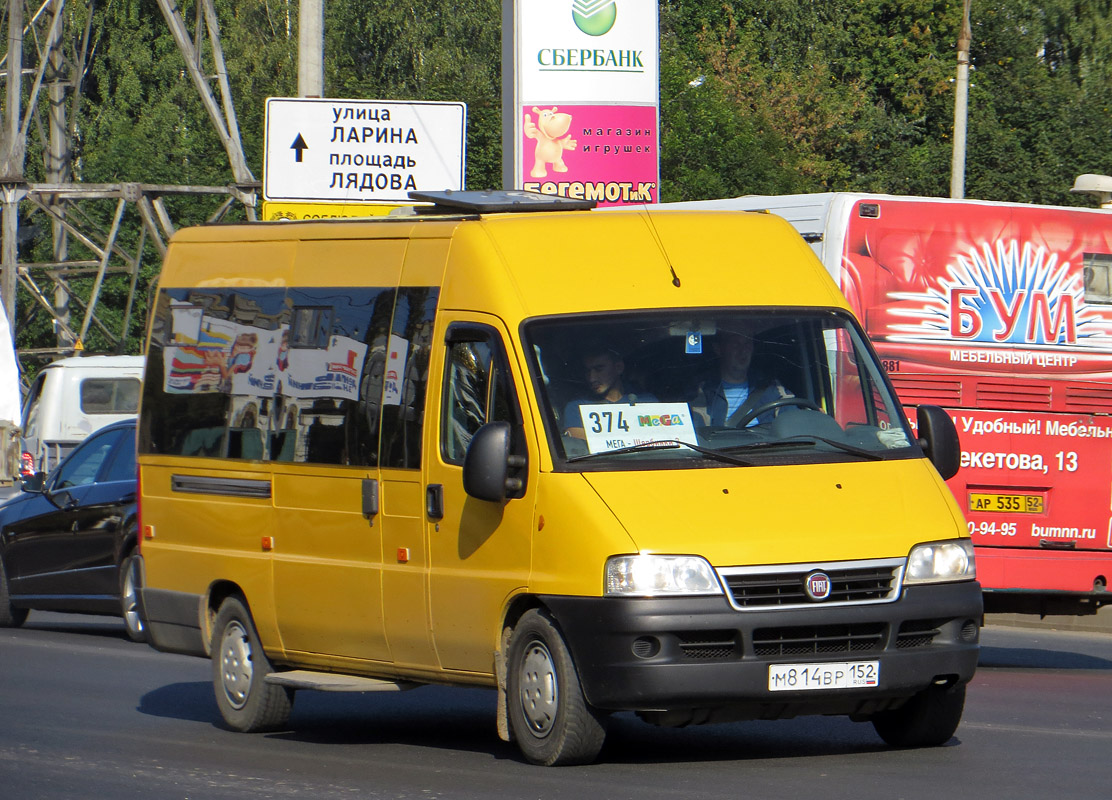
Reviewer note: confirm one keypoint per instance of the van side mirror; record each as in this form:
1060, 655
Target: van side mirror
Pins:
487, 464
939, 439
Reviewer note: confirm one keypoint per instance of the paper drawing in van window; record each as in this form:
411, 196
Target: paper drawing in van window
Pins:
284, 351
333, 373
202, 367
186, 321
346, 366
194, 369
549, 127
243, 352
395, 368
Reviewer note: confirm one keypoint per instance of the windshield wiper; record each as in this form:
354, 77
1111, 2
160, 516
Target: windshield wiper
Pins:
667, 444
792, 441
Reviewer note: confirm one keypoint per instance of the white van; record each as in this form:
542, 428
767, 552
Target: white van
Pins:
73, 397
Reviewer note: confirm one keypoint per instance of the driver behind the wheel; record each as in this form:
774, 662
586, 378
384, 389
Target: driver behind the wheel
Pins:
738, 390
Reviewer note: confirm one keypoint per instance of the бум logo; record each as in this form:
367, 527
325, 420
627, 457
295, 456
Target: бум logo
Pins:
1007, 294
594, 17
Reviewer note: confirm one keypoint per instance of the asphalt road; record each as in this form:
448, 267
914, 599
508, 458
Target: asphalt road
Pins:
86, 713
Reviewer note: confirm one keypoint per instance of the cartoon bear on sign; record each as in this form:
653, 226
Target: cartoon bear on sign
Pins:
547, 131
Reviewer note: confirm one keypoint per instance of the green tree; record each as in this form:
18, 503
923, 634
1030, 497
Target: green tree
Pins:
756, 96
424, 50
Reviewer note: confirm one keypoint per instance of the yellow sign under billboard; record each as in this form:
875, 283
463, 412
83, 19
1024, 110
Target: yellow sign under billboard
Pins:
273, 211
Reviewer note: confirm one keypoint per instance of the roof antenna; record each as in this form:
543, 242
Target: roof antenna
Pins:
656, 237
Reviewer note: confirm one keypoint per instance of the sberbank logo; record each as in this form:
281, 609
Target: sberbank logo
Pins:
594, 17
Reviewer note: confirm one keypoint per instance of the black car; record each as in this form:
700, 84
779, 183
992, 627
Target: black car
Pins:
68, 541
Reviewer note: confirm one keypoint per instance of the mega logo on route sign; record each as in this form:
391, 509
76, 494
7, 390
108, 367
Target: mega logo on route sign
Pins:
361, 150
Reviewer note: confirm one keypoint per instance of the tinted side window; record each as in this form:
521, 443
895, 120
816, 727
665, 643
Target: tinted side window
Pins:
268, 374
122, 467
467, 383
407, 375
1098, 277
332, 394
206, 347
84, 463
477, 390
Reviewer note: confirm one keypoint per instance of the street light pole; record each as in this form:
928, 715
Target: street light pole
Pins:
310, 49
961, 101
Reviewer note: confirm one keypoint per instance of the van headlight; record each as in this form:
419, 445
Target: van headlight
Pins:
939, 562
644, 575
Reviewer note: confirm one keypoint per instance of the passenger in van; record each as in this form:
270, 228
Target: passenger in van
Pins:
604, 371
726, 400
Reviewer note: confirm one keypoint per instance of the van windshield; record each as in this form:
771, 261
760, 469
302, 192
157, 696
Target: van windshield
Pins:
736, 386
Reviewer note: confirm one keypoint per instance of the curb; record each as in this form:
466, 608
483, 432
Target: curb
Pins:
1100, 622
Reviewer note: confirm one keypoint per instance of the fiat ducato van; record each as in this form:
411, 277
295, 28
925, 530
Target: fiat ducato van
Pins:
598, 461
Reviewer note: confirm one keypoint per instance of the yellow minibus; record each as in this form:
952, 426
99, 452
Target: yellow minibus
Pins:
617, 460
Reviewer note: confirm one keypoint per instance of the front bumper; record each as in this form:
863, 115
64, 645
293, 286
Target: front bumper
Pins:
683, 660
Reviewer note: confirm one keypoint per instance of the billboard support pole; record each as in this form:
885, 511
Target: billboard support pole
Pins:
510, 156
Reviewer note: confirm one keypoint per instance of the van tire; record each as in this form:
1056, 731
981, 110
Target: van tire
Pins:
9, 617
550, 719
130, 582
928, 719
239, 668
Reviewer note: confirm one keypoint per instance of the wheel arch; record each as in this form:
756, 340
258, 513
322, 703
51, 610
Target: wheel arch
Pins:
516, 607
218, 592
128, 542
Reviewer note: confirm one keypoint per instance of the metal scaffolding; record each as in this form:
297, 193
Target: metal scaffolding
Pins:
43, 69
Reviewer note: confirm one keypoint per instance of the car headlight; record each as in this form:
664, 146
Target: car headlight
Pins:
645, 575
939, 562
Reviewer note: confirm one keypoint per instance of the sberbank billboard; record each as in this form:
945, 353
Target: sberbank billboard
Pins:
580, 98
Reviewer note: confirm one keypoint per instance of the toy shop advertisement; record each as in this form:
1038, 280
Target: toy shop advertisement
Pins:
605, 153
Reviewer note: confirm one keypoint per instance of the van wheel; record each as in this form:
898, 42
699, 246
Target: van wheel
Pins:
550, 719
239, 669
129, 598
9, 617
928, 719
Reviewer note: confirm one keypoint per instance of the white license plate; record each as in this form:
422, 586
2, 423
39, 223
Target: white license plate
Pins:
841, 675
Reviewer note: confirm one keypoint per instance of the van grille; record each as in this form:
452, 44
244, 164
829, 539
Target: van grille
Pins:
709, 644
819, 639
917, 633
858, 582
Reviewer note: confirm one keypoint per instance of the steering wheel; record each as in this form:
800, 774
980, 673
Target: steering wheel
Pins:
753, 413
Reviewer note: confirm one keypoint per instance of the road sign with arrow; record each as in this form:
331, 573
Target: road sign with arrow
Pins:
335, 150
